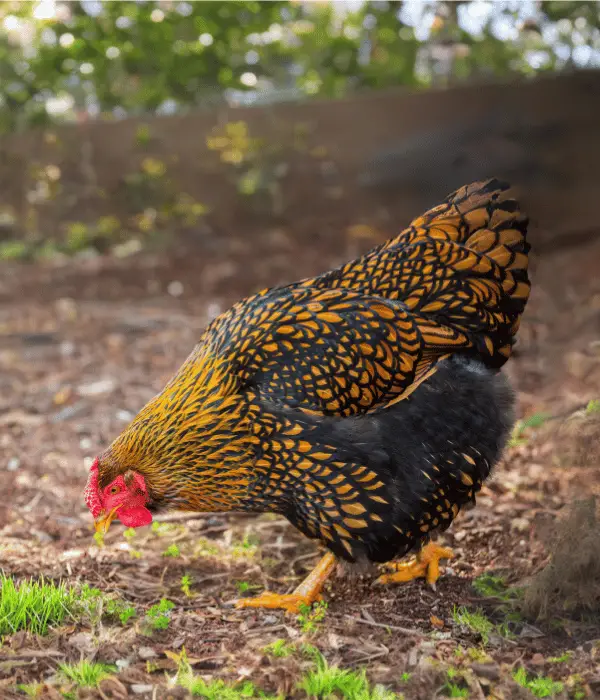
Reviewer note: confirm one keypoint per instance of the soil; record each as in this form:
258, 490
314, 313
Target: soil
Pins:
84, 344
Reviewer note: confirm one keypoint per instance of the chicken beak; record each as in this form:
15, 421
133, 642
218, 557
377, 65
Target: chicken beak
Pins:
103, 522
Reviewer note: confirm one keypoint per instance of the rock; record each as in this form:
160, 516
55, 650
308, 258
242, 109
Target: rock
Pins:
97, 388
141, 688
147, 653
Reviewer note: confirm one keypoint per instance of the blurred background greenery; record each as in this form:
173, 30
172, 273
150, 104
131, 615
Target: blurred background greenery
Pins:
65, 61
129, 123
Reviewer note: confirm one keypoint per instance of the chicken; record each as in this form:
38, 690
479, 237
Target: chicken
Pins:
364, 405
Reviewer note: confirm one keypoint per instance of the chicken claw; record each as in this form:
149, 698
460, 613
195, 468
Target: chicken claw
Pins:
291, 602
307, 593
425, 565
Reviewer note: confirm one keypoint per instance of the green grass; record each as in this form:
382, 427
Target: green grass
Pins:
34, 605
476, 621
279, 649
32, 690
489, 585
327, 681
452, 690
563, 658
534, 421
216, 689
85, 673
492, 586
540, 686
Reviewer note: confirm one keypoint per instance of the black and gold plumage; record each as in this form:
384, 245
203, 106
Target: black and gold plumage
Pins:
365, 405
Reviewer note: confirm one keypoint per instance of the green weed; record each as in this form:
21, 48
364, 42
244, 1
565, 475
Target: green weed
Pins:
172, 551
493, 586
32, 690
246, 549
280, 649
534, 421
14, 250
85, 673
310, 618
592, 407
540, 686
560, 659
158, 616
95, 603
186, 582
216, 689
476, 621
489, 585
205, 548
164, 529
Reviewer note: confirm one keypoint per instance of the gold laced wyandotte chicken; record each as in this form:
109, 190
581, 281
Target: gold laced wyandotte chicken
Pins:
364, 405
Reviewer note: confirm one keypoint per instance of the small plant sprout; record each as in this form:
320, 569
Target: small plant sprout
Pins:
129, 535
158, 616
172, 551
534, 421
86, 674
186, 582
540, 686
279, 649
592, 407
562, 659
246, 549
310, 618
164, 529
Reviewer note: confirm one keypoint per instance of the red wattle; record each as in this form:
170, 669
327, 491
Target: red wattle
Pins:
134, 517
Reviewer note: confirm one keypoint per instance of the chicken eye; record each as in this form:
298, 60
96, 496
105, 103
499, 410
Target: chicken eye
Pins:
115, 489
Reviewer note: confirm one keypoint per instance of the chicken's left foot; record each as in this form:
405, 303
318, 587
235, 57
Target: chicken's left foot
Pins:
425, 565
307, 593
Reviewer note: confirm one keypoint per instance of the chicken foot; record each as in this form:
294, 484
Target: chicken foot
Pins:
425, 565
307, 593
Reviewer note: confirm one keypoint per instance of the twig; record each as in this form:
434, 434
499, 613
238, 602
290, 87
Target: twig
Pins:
370, 657
395, 628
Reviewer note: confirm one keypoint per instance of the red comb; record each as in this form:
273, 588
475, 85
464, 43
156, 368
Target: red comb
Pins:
91, 493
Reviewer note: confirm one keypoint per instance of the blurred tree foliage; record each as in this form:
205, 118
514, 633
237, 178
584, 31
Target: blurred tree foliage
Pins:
72, 60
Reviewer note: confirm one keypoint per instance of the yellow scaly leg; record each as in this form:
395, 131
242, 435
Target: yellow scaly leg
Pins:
307, 593
425, 565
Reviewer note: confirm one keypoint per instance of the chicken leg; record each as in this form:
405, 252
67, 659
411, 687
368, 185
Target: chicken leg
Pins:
425, 565
308, 592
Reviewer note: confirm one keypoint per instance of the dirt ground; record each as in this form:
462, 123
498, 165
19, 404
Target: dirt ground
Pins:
85, 344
